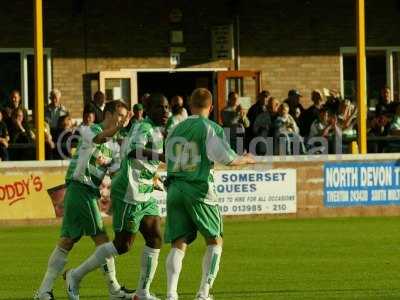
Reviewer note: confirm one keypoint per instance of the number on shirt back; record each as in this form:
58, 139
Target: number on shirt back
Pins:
186, 157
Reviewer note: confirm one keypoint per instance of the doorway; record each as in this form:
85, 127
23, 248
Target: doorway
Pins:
174, 83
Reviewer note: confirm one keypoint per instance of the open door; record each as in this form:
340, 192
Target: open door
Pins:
246, 83
119, 85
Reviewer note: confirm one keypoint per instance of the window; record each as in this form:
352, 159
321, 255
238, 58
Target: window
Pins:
17, 72
382, 70
119, 85
10, 75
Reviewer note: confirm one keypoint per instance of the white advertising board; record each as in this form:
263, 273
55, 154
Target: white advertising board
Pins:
248, 192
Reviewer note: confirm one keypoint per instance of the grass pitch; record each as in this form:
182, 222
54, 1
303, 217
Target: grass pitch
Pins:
355, 258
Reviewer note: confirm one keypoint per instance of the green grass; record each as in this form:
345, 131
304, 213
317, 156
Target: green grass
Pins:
355, 258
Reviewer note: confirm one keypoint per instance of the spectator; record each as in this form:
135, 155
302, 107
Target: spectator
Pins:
234, 118
20, 133
255, 110
143, 100
347, 118
97, 105
54, 110
287, 133
312, 113
179, 113
49, 143
379, 126
295, 107
134, 117
273, 107
177, 104
395, 124
394, 129
64, 131
333, 100
4, 139
263, 125
88, 118
285, 123
386, 105
137, 113
325, 126
259, 107
15, 102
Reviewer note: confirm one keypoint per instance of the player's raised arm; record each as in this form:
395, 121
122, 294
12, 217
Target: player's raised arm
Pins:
219, 150
112, 121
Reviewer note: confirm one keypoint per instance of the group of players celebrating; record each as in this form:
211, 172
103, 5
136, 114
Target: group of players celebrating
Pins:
189, 151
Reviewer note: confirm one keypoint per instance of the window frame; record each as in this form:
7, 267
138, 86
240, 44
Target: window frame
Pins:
23, 53
389, 63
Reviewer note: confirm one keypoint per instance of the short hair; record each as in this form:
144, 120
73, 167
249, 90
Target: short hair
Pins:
265, 93
231, 94
54, 92
316, 95
284, 105
201, 98
112, 106
153, 99
98, 94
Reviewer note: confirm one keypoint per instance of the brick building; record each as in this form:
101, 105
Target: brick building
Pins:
127, 48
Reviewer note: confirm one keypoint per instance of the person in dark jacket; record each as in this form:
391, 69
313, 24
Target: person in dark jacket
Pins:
312, 113
97, 105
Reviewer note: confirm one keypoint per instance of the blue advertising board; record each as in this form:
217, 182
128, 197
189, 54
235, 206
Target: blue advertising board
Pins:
361, 184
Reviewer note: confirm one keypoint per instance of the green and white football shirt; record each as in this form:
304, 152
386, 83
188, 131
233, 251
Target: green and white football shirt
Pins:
134, 181
85, 164
192, 147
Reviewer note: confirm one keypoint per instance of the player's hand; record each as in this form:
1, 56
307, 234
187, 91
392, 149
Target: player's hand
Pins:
101, 160
157, 183
249, 158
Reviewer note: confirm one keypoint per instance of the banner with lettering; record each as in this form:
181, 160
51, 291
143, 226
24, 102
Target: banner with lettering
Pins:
27, 195
39, 193
246, 192
361, 184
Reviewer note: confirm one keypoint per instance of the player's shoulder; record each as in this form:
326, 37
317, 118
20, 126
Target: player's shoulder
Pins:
212, 126
145, 126
96, 128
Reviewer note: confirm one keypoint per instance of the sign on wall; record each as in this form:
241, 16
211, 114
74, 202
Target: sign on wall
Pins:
361, 184
39, 194
246, 192
28, 195
222, 42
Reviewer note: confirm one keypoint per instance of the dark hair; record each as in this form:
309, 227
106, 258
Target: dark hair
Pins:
265, 93
153, 99
61, 120
231, 94
98, 94
15, 112
112, 106
89, 109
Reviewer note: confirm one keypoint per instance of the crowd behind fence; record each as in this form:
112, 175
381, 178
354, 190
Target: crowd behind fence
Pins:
269, 127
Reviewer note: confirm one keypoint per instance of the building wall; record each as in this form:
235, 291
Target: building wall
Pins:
295, 43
